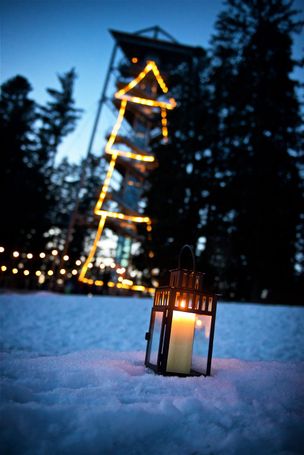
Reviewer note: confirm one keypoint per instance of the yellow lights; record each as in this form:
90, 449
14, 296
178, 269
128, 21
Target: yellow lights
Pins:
29, 256
121, 216
2, 249
151, 254
62, 271
37, 273
50, 273
151, 66
42, 255
65, 257
16, 254
15, 271
164, 123
182, 304
3, 268
74, 272
125, 96
26, 272
78, 262
152, 103
54, 252
133, 156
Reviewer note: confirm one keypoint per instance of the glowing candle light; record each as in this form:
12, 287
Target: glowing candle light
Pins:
181, 342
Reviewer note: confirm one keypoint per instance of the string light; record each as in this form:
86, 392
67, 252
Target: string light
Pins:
16, 254
15, 271
50, 272
65, 257
42, 255
54, 252
37, 273
26, 272
62, 271
29, 256
3, 268
2, 249
125, 97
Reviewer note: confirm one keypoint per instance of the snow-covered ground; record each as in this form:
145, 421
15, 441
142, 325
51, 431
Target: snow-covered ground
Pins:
73, 381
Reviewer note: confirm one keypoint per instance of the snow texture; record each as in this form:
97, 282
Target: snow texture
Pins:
73, 381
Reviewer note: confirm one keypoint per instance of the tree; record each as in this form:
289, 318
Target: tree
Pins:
22, 185
31, 135
59, 116
258, 192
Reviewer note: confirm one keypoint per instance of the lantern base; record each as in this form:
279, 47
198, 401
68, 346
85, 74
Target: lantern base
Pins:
193, 373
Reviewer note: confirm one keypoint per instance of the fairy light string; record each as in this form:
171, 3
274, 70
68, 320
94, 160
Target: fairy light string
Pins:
124, 95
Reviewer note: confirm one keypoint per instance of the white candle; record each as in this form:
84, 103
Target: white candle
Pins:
181, 342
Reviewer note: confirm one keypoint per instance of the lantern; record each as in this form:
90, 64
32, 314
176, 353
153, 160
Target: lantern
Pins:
180, 337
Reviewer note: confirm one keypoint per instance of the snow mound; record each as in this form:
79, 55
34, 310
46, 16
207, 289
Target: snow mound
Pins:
101, 402
74, 382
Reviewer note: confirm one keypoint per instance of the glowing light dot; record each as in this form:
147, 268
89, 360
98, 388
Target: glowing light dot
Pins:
15, 271
26, 272
134, 60
78, 262
62, 271
16, 254
42, 255
112, 265
50, 272
2, 249
3, 268
29, 256
90, 265
54, 252
74, 272
37, 273
66, 257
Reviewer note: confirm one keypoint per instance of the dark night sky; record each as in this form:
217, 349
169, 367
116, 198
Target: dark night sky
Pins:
41, 38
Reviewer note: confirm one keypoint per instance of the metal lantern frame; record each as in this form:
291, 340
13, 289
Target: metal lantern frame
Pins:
185, 294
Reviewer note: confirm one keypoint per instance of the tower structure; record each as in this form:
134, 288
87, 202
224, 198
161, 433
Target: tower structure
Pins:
140, 65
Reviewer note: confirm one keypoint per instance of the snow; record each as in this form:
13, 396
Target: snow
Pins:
73, 381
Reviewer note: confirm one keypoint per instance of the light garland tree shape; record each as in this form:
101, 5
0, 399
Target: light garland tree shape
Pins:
125, 97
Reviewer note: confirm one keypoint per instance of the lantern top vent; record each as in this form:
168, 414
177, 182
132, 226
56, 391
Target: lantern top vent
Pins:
184, 278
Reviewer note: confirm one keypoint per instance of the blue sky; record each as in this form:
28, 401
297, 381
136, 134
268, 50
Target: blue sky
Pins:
41, 38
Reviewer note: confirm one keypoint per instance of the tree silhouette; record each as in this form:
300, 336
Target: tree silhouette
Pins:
257, 199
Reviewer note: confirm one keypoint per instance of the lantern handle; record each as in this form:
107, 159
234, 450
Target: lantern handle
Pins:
190, 247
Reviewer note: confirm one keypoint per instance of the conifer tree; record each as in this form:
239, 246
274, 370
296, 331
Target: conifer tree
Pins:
252, 241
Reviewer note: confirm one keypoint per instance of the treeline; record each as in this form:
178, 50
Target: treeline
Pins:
38, 193
230, 180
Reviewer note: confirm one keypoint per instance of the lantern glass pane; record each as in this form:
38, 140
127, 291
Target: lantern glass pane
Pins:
155, 336
201, 343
